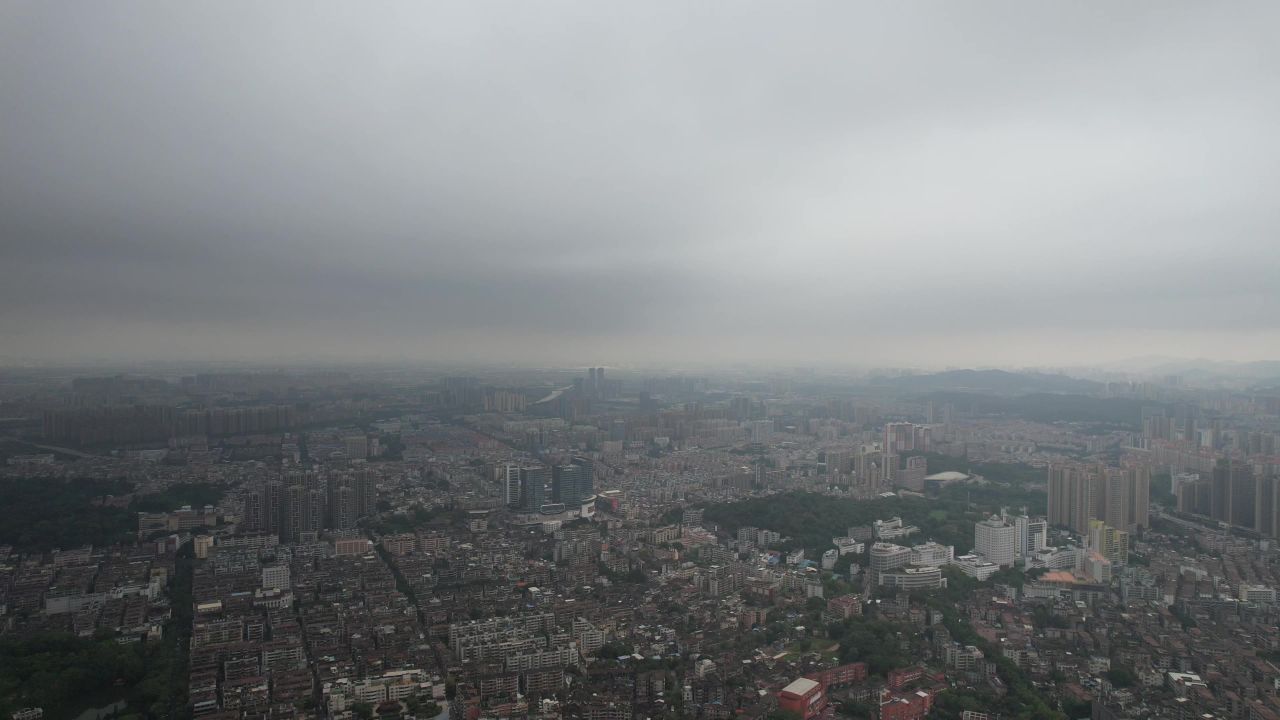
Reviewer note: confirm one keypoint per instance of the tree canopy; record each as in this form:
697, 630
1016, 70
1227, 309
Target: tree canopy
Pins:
39, 515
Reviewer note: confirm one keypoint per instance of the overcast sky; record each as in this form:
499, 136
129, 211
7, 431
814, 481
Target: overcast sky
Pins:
914, 183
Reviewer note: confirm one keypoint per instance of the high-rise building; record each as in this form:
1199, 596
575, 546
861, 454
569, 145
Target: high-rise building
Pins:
275, 506
996, 540
906, 437
1139, 498
254, 516
262, 507
1033, 534
366, 490
357, 447
1062, 495
1118, 496
313, 481
838, 460
316, 511
1111, 543
1180, 479
342, 508
1073, 497
511, 485
761, 431
1233, 493
1244, 491
1119, 493
912, 475
1220, 492
1266, 506
533, 487
1195, 497
292, 513
334, 484
573, 483
869, 470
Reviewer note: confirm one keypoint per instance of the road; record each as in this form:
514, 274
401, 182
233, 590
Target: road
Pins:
52, 448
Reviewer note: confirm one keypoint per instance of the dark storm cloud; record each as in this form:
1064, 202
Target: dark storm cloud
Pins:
813, 182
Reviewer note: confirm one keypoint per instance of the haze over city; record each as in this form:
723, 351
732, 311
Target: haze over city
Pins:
556, 360
928, 184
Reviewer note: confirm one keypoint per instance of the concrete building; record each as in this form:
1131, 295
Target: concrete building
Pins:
804, 698
1257, 593
572, 483
885, 557
1066, 557
1109, 542
533, 487
931, 554
996, 540
912, 578
976, 566
892, 529
906, 706
1032, 533
275, 577
1073, 497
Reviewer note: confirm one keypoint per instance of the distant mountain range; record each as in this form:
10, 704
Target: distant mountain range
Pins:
1113, 413
1199, 367
993, 382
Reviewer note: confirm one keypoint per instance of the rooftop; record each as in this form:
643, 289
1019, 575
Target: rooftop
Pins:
800, 686
1059, 576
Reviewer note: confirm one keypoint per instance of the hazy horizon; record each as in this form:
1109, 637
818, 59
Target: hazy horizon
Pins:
938, 185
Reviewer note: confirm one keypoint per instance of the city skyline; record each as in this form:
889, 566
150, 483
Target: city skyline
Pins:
239, 543
1007, 185
607, 361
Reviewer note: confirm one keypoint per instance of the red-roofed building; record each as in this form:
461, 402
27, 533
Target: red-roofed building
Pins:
906, 706
897, 679
845, 606
841, 676
804, 697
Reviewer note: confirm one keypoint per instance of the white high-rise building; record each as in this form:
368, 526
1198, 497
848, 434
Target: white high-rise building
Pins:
1033, 535
996, 540
511, 485
761, 430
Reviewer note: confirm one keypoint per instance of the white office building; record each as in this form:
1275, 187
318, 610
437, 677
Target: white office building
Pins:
975, 566
892, 529
996, 540
1066, 557
931, 554
887, 556
1033, 535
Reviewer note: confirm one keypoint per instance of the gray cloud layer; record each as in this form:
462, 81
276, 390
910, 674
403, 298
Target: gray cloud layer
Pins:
923, 183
